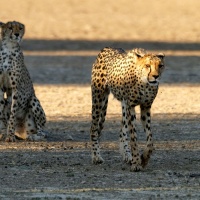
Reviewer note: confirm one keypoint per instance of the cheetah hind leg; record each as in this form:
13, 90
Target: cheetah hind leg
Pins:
25, 127
34, 133
99, 105
37, 116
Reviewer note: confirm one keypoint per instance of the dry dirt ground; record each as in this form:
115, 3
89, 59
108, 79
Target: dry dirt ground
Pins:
60, 67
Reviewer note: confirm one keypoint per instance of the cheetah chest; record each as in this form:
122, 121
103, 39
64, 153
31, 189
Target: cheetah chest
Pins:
8, 74
143, 95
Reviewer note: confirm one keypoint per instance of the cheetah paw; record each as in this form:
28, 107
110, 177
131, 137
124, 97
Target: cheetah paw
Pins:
127, 157
43, 133
97, 159
136, 168
2, 134
35, 137
144, 161
40, 136
8, 138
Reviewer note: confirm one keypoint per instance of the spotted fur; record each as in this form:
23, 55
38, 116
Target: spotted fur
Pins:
133, 79
21, 114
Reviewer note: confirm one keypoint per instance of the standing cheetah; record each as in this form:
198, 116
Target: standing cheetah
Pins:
21, 114
133, 79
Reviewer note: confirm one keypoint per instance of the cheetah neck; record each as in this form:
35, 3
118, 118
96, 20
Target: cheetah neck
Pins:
10, 55
10, 47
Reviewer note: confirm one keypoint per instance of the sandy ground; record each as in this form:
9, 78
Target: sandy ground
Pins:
61, 42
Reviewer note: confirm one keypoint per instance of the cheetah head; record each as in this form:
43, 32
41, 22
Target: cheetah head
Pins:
12, 31
151, 67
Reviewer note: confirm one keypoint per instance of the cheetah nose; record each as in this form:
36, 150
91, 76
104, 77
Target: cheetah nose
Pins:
16, 34
155, 76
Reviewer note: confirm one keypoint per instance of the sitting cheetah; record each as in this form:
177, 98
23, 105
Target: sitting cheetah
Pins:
133, 78
21, 114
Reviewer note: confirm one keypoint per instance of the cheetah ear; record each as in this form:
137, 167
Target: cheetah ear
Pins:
161, 55
140, 52
1, 24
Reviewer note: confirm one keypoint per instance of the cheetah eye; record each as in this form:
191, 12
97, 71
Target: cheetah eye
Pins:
148, 66
160, 66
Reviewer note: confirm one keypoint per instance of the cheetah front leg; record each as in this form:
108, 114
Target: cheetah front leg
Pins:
2, 106
146, 122
3, 120
8, 103
2, 103
123, 139
10, 136
136, 160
